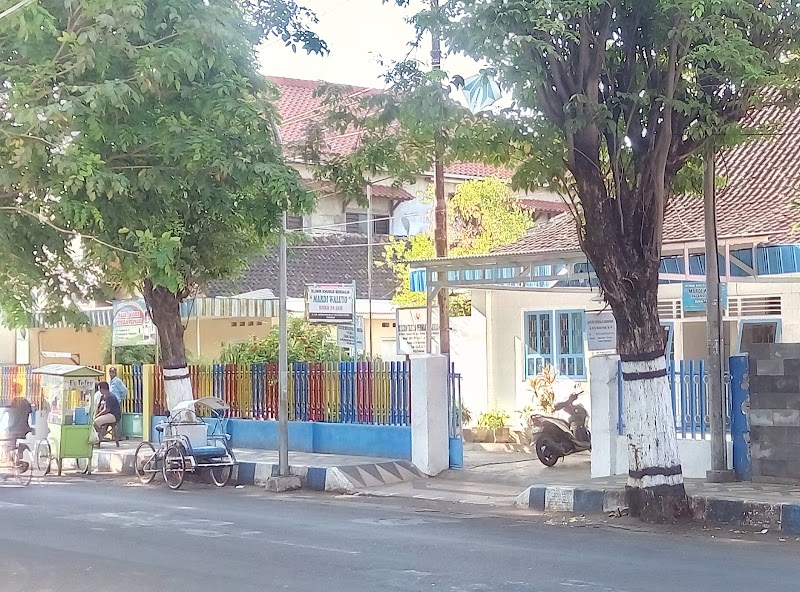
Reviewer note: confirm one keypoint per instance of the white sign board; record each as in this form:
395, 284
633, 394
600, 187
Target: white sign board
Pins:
131, 324
344, 335
330, 303
411, 324
601, 331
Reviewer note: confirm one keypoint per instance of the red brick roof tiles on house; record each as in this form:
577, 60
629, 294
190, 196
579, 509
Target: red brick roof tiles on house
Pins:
298, 107
316, 259
545, 206
762, 182
379, 191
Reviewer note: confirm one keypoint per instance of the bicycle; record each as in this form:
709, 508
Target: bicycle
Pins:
19, 460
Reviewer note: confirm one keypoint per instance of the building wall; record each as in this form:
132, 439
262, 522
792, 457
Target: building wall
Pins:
8, 346
87, 343
214, 335
330, 211
505, 340
775, 412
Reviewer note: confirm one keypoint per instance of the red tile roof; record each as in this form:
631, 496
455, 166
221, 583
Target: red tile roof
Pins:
381, 191
476, 170
388, 192
298, 107
545, 206
762, 182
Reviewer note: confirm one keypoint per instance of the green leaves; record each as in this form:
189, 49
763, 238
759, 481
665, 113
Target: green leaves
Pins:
144, 127
482, 215
307, 343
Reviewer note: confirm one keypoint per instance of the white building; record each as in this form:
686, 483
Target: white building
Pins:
536, 294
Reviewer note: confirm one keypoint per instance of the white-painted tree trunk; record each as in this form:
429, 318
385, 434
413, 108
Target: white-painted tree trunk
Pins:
649, 425
177, 386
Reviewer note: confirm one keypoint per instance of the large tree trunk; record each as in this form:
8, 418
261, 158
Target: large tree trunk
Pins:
166, 312
655, 490
621, 235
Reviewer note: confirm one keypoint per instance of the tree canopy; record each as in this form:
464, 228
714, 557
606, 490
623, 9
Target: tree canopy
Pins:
482, 215
143, 127
614, 102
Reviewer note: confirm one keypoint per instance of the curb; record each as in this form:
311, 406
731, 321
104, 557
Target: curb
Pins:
344, 479
780, 517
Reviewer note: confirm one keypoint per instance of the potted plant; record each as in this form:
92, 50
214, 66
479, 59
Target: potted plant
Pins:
492, 424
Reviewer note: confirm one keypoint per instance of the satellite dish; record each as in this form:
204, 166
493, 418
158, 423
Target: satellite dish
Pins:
406, 225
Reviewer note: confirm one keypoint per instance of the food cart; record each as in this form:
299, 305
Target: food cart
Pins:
68, 400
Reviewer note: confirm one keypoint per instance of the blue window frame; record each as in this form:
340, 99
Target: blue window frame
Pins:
570, 352
755, 331
538, 342
555, 338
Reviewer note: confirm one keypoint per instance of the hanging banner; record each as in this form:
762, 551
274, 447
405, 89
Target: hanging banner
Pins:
601, 331
131, 324
330, 303
411, 325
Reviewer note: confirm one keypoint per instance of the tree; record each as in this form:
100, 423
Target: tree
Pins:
482, 215
613, 99
402, 132
144, 125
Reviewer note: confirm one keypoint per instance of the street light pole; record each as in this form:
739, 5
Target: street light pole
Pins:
716, 398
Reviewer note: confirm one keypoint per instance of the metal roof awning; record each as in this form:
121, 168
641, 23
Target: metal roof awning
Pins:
570, 270
206, 308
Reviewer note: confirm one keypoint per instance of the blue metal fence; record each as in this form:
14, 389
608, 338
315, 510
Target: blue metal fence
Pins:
688, 382
455, 404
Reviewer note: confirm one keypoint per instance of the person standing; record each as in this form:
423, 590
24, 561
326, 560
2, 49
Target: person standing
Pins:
118, 388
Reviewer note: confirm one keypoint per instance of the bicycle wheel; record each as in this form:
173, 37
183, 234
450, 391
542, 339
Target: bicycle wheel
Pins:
23, 466
221, 475
144, 462
174, 466
42, 458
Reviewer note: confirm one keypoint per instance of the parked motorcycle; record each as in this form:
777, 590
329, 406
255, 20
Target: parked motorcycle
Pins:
555, 438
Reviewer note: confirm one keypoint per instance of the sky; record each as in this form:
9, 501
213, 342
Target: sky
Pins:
358, 33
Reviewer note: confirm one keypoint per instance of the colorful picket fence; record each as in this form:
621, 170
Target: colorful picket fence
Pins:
18, 381
340, 392
343, 392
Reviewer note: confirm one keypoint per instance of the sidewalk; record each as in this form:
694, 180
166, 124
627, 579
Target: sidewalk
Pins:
320, 472
514, 478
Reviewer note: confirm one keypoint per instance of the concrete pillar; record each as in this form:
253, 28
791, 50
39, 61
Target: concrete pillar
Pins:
148, 383
429, 426
605, 412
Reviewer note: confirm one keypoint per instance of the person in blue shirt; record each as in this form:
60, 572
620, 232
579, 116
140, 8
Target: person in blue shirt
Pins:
117, 387
109, 412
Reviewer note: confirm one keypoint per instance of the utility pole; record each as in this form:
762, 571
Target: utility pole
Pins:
370, 236
283, 359
716, 396
440, 231
283, 346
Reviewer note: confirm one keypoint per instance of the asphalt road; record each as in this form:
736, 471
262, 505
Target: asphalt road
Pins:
73, 535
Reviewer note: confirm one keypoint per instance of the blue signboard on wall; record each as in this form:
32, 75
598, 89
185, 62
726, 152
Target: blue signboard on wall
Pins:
694, 296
